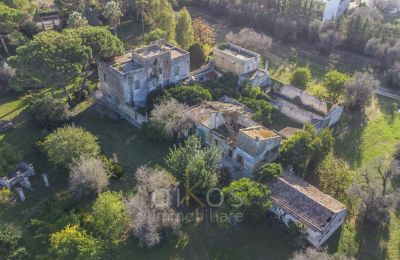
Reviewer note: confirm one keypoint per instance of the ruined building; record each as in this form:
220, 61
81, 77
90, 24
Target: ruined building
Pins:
294, 200
126, 80
244, 143
303, 107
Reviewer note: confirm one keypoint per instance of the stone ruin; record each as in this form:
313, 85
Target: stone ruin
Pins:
19, 179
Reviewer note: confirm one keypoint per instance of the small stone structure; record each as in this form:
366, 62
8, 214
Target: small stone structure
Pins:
19, 177
46, 180
243, 63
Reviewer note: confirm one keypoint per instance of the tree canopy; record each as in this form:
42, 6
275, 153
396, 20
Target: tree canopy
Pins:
334, 176
334, 82
247, 197
75, 243
68, 143
200, 165
64, 55
184, 30
305, 149
110, 218
159, 14
301, 77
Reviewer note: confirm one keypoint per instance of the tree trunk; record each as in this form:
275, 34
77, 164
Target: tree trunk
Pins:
4, 45
64, 86
84, 81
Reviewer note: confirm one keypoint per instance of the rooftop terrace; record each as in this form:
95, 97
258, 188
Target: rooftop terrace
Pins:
124, 63
158, 48
258, 132
237, 51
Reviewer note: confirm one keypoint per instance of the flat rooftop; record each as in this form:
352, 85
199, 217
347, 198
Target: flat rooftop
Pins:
235, 52
259, 132
124, 63
160, 48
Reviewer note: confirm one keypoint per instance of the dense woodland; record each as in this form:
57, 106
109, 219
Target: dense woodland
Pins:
102, 208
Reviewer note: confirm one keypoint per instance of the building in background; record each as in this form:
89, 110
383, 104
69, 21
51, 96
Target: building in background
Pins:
327, 9
245, 64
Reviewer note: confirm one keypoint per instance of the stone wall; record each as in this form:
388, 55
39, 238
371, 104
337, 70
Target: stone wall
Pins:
305, 98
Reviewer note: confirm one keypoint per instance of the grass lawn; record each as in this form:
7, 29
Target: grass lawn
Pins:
133, 150
130, 32
362, 139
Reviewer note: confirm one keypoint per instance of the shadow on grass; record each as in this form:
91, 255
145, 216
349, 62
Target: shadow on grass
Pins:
349, 134
130, 145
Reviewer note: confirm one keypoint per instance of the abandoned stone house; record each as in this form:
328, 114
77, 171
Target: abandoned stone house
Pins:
245, 64
294, 200
302, 107
244, 143
126, 80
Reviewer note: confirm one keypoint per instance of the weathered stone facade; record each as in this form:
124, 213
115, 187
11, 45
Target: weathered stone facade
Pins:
294, 200
303, 108
241, 62
244, 143
126, 80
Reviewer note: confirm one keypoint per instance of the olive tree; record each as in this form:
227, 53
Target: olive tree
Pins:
88, 175
151, 208
358, 91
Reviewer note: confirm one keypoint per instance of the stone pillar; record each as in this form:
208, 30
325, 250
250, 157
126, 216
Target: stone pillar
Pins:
46, 181
73, 124
21, 193
114, 158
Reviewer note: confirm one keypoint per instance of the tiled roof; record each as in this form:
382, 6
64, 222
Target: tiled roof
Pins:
303, 201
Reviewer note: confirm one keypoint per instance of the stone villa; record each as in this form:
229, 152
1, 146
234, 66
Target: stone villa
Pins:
294, 200
241, 62
245, 144
126, 80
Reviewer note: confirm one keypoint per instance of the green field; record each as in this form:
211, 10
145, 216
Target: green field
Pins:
133, 150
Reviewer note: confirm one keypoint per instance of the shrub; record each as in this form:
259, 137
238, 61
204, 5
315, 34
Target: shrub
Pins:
5, 195
189, 95
74, 242
334, 82
269, 172
9, 157
114, 168
227, 85
110, 218
49, 113
10, 243
301, 77
154, 35
198, 55
263, 111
